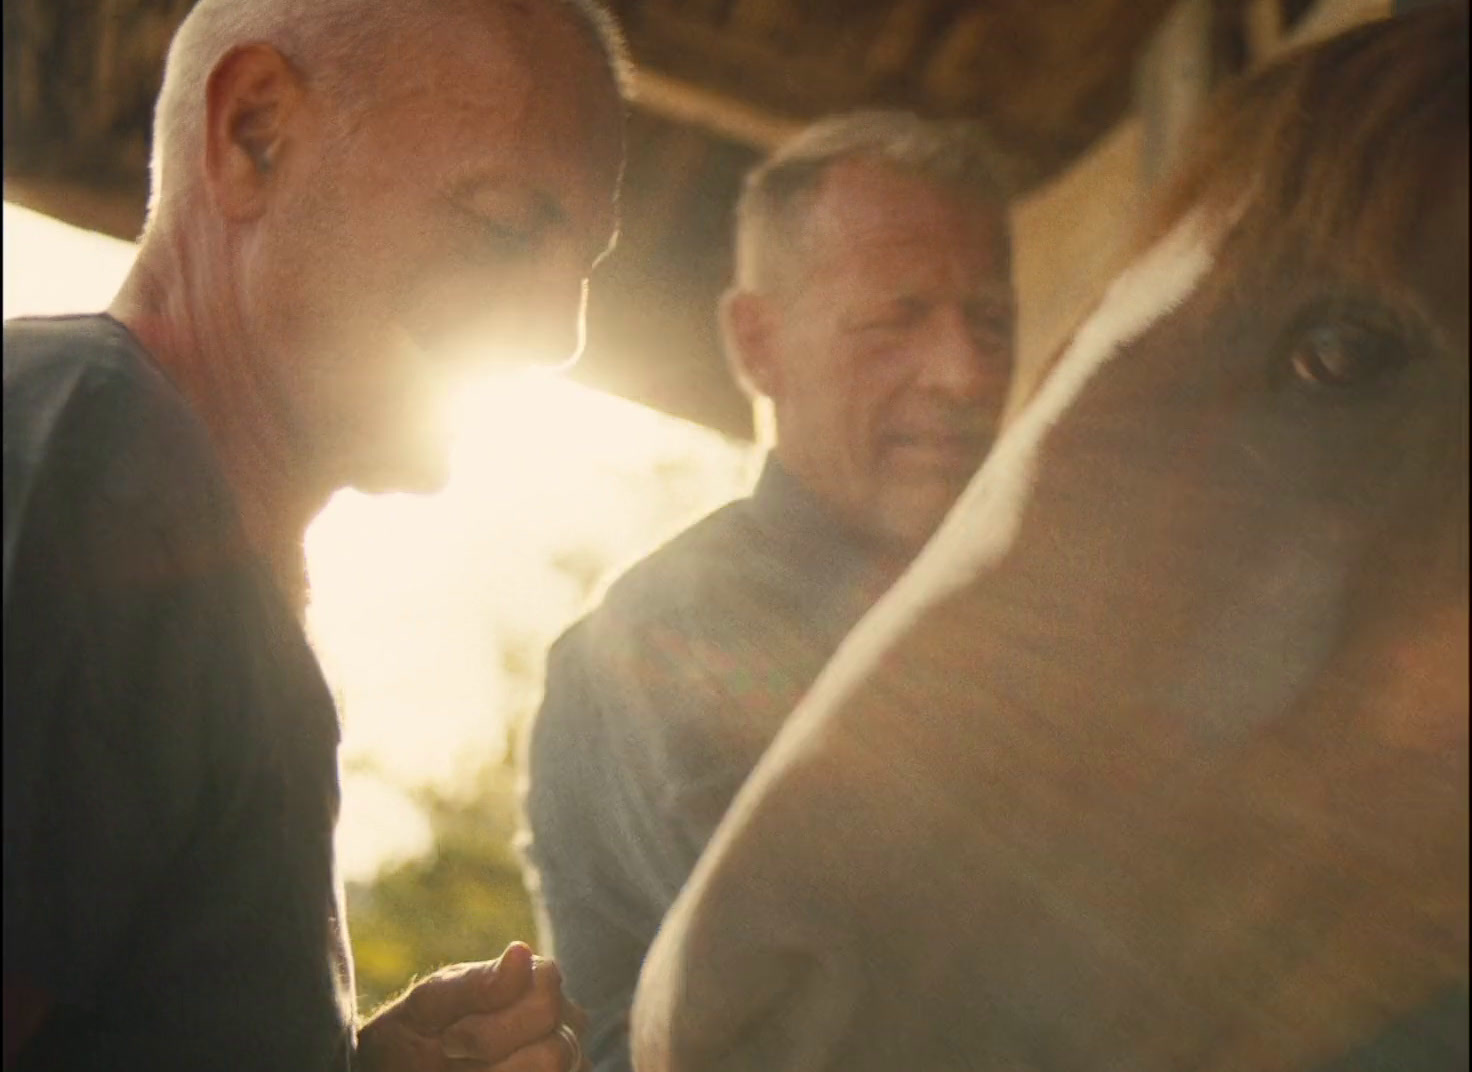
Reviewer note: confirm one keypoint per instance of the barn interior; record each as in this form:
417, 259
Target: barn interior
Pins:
1084, 100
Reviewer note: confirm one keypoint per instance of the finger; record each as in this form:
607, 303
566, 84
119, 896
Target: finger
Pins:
549, 1054
493, 1036
574, 1016
466, 989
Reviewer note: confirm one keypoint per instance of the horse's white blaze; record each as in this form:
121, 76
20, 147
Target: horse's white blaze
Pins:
978, 530
981, 526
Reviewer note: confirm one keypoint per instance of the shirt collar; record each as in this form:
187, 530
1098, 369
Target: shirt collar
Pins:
785, 506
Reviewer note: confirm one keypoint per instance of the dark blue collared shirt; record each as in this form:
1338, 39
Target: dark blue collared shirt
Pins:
657, 706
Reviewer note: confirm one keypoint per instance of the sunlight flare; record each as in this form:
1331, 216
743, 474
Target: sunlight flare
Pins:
431, 614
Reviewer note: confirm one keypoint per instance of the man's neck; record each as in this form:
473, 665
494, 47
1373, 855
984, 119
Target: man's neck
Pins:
176, 304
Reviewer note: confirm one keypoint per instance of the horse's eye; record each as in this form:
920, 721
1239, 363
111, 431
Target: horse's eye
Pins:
1345, 354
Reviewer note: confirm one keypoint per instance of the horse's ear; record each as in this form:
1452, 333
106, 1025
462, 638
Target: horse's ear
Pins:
748, 329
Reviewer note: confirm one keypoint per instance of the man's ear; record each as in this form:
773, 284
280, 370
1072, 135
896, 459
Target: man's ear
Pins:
251, 98
749, 328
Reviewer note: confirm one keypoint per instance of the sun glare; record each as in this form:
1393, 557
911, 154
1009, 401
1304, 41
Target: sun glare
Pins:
51, 268
432, 614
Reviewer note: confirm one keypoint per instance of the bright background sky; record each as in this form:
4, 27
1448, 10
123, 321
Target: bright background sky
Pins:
416, 599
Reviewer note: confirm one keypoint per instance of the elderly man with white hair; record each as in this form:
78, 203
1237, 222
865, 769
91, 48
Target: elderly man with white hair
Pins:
344, 192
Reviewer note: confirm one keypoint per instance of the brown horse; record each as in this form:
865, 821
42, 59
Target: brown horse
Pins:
1157, 757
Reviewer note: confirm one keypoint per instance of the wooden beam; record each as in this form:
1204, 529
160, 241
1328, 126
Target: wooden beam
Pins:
108, 212
1172, 81
691, 105
1268, 38
121, 215
1263, 23
1329, 17
807, 78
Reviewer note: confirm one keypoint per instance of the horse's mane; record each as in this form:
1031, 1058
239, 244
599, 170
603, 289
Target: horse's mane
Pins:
1337, 146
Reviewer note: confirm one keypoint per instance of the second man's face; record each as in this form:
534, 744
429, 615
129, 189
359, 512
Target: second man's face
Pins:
895, 349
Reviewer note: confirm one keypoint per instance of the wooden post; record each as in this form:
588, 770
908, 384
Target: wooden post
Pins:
1173, 78
1329, 17
1263, 25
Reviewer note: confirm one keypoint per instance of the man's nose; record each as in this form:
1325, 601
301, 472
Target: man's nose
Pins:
961, 362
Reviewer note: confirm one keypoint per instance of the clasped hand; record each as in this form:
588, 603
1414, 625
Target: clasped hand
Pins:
501, 1015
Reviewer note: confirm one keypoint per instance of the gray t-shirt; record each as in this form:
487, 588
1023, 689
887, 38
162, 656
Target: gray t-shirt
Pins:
170, 751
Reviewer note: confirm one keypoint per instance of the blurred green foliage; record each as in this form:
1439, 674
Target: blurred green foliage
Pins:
464, 900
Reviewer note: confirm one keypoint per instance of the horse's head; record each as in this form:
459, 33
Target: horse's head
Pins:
1157, 757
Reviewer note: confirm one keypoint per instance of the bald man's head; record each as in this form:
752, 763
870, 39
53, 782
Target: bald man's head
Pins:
352, 52
366, 198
